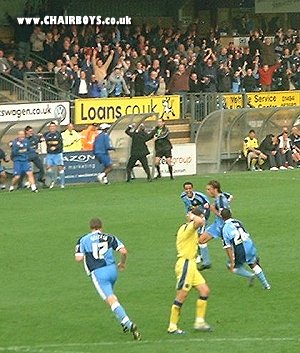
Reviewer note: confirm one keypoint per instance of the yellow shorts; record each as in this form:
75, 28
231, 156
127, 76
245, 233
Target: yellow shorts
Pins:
187, 274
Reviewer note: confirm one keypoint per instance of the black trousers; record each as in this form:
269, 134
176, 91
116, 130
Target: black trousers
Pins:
39, 164
131, 163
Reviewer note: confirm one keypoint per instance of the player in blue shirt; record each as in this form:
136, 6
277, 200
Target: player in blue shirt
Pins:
240, 248
19, 153
3, 157
101, 148
222, 200
96, 250
195, 199
214, 231
54, 158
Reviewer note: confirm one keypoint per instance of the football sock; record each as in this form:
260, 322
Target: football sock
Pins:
241, 271
170, 171
201, 306
62, 177
158, 170
121, 316
175, 315
205, 254
50, 174
261, 276
33, 187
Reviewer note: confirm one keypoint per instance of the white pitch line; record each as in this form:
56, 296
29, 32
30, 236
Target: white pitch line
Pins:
48, 347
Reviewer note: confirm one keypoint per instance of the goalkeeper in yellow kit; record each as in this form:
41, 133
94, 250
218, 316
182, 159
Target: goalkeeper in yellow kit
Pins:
187, 274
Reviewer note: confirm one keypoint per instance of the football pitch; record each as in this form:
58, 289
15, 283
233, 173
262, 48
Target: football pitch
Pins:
49, 305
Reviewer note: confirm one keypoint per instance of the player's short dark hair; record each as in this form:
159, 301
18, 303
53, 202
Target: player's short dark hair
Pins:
188, 183
215, 184
251, 131
196, 211
95, 223
226, 213
28, 127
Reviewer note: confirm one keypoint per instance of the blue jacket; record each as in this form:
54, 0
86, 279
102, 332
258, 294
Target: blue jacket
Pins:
102, 144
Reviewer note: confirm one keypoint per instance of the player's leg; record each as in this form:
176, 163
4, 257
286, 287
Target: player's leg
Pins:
144, 161
39, 164
184, 279
169, 163
31, 180
259, 273
17, 172
2, 179
201, 304
59, 162
130, 164
203, 254
104, 280
50, 172
157, 166
240, 257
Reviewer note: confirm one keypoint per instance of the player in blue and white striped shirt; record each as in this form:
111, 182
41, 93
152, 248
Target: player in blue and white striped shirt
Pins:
240, 247
195, 199
96, 250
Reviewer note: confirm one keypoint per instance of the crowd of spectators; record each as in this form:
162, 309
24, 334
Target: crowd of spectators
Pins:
93, 61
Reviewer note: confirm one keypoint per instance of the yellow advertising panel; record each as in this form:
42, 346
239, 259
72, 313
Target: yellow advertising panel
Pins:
263, 99
108, 110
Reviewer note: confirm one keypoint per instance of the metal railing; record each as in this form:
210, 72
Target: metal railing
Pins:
15, 90
44, 81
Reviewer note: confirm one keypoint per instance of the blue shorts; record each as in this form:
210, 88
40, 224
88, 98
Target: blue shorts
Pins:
245, 253
215, 230
54, 159
22, 167
104, 279
104, 159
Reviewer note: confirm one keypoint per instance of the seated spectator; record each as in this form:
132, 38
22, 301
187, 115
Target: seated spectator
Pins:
255, 157
269, 147
295, 141
18, 71
285, 150
4, 64
116, 84
29, 67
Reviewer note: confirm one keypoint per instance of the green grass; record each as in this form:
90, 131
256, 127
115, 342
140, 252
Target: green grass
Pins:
48, 304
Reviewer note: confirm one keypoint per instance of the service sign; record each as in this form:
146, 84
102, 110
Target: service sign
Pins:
59, 111
108, 110
263, 99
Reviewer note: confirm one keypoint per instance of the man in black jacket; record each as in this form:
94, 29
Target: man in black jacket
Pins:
269, 147
139, 149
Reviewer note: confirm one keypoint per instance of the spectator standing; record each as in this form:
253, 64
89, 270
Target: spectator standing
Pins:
3, 157
71, 139
265, 76
37, 39
139, 150
4, 65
